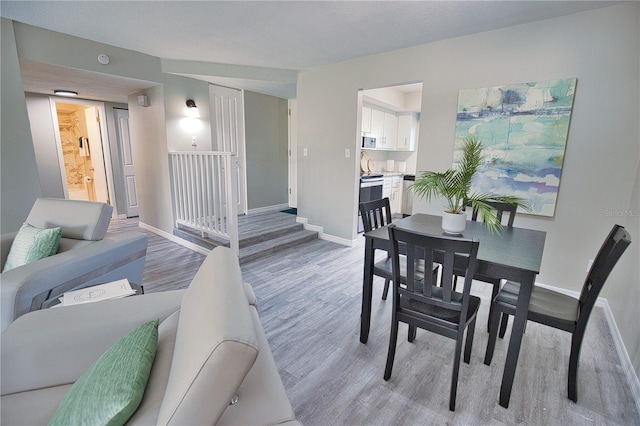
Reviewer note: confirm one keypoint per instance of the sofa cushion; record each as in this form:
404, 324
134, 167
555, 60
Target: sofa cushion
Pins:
111, 390
149, 408
216, 344
19, 408
80, 220
31, 244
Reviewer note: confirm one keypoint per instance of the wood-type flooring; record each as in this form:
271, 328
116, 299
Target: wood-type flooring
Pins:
309, 305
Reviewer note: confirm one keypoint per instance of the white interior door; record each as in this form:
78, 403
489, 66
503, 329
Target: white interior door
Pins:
97, 156
126, 157
227, 134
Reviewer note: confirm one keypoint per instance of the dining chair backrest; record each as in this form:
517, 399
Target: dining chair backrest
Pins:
422, 288
610, 252
375, 214
499, 208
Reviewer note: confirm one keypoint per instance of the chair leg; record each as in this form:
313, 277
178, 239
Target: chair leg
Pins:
494, 293
503, 325
412, 333
393, 338
386, 289
494, 323
469, 343
576, 343
454, 375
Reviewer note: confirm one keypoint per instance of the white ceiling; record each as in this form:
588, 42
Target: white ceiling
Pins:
267, 36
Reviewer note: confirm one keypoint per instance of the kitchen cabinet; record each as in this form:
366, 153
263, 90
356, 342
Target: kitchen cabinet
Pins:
384, 127
390, 130
392, 188
366, 119
407, 129
377, 123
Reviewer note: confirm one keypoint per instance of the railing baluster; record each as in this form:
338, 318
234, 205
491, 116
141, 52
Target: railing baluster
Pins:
204, 197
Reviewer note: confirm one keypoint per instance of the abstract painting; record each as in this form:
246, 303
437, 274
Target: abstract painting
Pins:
523, 129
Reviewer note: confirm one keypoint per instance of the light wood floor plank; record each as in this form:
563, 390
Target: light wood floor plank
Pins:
309, 305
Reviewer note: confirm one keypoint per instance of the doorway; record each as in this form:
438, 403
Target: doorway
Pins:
82, 149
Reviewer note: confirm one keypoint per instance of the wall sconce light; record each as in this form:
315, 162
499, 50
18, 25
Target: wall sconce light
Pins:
191, 123
192, 109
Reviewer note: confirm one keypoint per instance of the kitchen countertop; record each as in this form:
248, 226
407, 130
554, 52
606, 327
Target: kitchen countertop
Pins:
390, 174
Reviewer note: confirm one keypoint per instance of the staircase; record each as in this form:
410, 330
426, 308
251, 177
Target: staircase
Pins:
260, 235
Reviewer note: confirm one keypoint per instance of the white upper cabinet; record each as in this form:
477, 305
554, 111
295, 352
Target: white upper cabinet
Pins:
383, 127
407, 128
377, 124
390, 130
391, 114
366, 119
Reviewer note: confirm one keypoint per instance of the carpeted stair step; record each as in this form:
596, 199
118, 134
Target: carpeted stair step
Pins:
274, 245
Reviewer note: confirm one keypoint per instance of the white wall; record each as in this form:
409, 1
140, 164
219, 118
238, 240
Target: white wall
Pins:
151, 156
45, 145
266, 134
17, 154
622, 290
177, 91
601, 48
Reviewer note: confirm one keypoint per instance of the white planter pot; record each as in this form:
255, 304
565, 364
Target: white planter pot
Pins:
454, 223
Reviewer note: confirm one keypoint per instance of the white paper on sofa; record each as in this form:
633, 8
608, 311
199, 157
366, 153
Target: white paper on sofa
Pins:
96, 293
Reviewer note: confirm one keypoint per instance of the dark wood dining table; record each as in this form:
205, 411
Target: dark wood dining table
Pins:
515, 254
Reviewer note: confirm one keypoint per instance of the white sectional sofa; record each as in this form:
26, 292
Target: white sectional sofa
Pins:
211, 350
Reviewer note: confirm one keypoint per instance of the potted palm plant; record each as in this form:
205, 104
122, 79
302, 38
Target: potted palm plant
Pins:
455, 186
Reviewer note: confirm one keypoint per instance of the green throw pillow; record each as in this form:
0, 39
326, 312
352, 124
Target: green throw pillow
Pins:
111, 390
31, 244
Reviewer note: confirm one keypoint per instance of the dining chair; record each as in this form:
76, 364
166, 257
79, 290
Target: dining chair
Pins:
500, 209
420, 303
557, 310
376, 214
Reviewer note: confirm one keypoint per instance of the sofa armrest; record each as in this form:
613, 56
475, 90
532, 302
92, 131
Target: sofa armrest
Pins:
216, 344
5, 245
53, 275
55, 346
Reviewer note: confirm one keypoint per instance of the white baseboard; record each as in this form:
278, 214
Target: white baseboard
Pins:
337, 240
321, 233
175, 239
268, 209
625, 361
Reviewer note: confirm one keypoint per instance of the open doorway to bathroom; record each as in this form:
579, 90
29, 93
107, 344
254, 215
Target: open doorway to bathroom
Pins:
83, 157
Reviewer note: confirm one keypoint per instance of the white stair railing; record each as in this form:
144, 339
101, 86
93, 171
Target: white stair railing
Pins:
203, 193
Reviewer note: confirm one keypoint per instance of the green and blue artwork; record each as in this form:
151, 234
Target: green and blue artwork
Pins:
523, 129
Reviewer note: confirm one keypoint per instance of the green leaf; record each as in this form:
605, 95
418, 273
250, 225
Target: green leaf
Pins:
455, 185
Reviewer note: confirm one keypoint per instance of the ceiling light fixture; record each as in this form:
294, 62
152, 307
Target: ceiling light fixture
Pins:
69, 93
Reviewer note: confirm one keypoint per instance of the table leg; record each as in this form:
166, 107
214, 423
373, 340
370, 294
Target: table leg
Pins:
367, 284
522, 307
